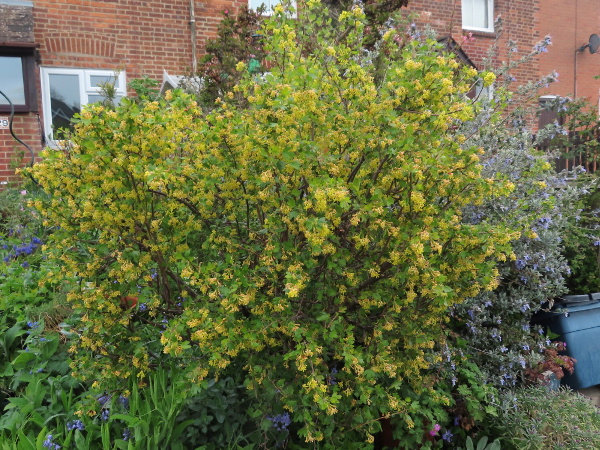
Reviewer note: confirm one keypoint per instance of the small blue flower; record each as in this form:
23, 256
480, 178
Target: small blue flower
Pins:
76, 425
105, 415
49, 443
447, 436
280, 421
126, 434
124, 401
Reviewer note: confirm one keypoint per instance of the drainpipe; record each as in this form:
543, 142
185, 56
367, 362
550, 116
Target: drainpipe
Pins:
193, 36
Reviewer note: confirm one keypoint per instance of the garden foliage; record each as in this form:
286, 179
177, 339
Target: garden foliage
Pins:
536, 418
496, 325
314, 237
578, 142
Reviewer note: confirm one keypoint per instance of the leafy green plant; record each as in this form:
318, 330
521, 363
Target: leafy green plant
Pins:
219, 414
482, 444
313, 238
238, 40
538, 418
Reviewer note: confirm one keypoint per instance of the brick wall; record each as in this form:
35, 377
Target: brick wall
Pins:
520, 23
141, 37
144, 37
16, 26
570, 28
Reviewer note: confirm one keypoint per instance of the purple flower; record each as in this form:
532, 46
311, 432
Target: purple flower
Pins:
103, 399
447, 436
76, 425
436, 428
124, 401
49, 443
280, 421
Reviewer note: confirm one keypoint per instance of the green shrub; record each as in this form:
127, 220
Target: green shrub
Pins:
314, 237
538, 418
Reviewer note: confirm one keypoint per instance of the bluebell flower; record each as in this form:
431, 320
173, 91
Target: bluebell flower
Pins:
103, 399
76, 425
49, 443
105, 415
126, 434
124, 401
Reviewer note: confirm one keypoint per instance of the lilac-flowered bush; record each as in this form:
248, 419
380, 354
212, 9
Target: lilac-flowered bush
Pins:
496, 325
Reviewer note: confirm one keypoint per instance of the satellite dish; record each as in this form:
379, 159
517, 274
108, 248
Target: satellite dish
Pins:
594, 43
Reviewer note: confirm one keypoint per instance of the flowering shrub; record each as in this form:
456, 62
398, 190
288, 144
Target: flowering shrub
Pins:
496, 324
315, 236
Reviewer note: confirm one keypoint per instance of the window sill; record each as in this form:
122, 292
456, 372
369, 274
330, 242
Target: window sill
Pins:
481, 33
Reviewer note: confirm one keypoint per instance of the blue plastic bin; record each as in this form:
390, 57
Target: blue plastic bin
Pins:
577, 322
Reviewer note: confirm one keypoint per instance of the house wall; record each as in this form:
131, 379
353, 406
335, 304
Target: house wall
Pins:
520, 20
143, 38
570, 24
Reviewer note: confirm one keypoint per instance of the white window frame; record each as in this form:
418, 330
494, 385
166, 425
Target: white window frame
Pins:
484, 92
490, 15
85, 90
269, 5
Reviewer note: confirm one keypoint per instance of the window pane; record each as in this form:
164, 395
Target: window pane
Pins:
65, 101
11, 80
467, 13
480, 13
255, 4
475, 13
99, 80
